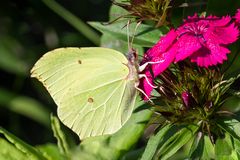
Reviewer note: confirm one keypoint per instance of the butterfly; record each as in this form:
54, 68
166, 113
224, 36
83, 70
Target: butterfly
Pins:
94, 88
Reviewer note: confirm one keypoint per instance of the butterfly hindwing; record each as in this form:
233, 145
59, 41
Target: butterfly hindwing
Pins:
90, 87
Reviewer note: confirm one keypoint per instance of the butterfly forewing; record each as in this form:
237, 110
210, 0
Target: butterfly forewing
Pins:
90, 87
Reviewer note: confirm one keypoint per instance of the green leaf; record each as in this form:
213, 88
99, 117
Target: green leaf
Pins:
59, 135
153, 143
237, 147
10, 60
51, 152
133, 154
197, 147
208, 149
26, 106
224, 85
226, 148
29, 151
231, 126
110, 41
10, 152
116, 12
223, 149
173, 144
232, 104
146, 36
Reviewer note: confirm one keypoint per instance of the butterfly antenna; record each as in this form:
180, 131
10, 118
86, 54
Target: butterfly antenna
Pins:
116, 19
128, 34
134, 33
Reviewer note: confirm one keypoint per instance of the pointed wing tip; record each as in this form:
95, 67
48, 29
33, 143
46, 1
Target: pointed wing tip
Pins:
32, 72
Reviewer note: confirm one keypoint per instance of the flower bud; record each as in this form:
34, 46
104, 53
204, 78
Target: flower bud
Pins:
188, 100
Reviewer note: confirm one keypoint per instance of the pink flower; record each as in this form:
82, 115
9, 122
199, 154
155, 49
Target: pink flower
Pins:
163, 53
237, 17
201, 39
204, 40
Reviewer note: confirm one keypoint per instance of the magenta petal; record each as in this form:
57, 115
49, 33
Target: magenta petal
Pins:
167, 41
187, 45
237, 17
164, 60
222, 35
210, 56
218, 22
162, 45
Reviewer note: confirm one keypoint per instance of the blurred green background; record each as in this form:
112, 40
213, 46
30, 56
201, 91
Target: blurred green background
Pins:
28, 29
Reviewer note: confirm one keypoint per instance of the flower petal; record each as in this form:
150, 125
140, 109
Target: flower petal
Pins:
164, 60
187, 45
218, 21
222, 35
212, 55
162, 45
237, 17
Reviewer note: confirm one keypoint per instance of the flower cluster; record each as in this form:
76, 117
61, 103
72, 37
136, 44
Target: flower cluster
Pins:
148, 10
202, 40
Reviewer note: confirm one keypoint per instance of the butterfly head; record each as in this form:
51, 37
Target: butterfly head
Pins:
132, 56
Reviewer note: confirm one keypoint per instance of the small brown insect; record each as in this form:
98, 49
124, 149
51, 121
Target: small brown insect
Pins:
79, 62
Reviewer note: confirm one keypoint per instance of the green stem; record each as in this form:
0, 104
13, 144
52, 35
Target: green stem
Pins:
74, 21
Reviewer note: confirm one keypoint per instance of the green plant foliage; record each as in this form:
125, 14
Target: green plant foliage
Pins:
176, 141
231, 126
59, 135
10, 152
26, 106
10, 60
153, 143
208, 149
28, 151
197, 146
51, 152
224, 148
145, 36
110, 41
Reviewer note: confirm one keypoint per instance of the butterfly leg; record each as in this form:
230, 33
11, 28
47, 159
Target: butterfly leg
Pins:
144, 76
139, 89
143, 66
